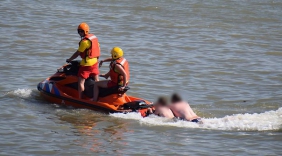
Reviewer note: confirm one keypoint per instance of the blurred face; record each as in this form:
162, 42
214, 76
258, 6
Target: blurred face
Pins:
160, 103
80, 32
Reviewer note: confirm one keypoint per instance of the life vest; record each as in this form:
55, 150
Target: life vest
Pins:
94, 50
117, 77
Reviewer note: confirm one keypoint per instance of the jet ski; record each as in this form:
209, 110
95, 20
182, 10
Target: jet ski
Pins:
62, 88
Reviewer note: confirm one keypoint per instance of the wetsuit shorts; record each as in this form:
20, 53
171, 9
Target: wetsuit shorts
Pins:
87, 71
196, 120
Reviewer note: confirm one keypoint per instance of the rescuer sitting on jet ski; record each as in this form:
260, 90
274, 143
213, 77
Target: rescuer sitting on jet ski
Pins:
119, 73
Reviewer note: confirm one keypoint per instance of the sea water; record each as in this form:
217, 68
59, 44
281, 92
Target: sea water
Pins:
223, 57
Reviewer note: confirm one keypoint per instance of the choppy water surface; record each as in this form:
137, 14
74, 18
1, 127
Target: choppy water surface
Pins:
224, 57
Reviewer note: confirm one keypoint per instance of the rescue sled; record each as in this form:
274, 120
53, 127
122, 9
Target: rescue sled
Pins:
62, 88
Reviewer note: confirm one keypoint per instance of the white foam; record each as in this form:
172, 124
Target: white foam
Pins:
270, 120
23, 93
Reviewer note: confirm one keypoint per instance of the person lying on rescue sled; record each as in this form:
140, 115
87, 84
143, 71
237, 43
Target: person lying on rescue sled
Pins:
182, 110
89, 51
119, 73
161, 109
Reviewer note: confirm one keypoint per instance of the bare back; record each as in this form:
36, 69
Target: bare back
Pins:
183, 110
164, 111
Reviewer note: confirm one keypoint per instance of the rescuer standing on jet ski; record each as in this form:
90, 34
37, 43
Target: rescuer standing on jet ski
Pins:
89, 51
119, 73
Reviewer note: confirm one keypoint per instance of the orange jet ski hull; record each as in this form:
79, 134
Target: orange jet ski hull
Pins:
61, 88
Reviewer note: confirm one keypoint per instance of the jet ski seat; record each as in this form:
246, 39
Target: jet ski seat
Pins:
89, 84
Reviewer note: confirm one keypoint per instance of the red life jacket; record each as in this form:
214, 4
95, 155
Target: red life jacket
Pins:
94, 50
117, 77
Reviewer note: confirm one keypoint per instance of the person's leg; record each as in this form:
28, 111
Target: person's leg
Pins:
96, 77
80, 86
83, 74
102, 84
95, 71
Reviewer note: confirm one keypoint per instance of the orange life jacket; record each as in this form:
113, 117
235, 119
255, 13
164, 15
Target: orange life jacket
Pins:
117, 77
94, 50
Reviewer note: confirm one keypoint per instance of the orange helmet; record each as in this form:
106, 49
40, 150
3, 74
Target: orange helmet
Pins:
84, 27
